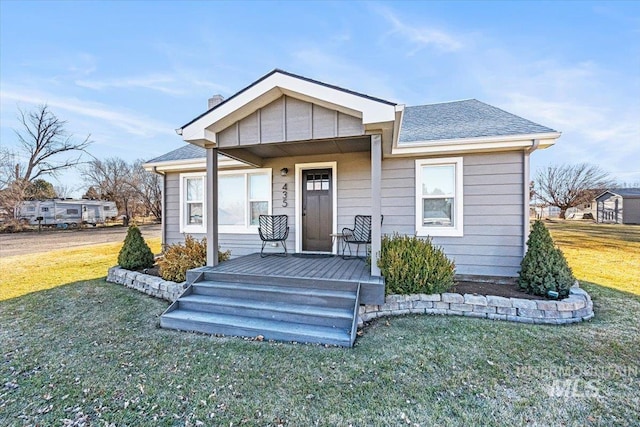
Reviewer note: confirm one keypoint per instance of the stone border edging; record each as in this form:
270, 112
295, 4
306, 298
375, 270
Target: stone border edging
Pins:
575, 308
150, 285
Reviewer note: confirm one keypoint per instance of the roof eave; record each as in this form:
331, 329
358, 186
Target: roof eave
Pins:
495, 143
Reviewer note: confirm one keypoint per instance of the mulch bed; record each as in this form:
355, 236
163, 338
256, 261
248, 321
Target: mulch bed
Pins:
488, 288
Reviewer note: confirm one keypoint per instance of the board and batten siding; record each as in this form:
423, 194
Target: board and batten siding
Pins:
492, 244
289, 119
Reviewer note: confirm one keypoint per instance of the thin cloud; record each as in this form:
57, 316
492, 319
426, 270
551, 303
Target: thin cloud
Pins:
160, 83
421, 37
124, 120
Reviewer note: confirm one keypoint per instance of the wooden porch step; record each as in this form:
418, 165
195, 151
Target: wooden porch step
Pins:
308, 312
272, 310
280, 280
298, 295
238, 325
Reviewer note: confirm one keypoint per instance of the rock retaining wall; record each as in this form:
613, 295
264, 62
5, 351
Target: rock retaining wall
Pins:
575, 308
150, 285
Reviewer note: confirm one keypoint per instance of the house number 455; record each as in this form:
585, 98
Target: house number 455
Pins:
284, 196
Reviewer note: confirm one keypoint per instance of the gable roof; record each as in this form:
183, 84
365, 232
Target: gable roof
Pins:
625, 193
462, 119
286, 73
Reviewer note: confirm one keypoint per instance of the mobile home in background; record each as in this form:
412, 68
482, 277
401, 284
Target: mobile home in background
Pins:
66, 213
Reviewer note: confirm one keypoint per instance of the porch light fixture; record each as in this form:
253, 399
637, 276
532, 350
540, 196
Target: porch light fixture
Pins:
284, 171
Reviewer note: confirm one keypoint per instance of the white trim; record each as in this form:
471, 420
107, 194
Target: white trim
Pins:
247, 228
298, 195
186, 164
458, 229
495, 143
273, 87
196, 229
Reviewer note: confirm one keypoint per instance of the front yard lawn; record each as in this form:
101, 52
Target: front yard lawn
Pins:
92, 351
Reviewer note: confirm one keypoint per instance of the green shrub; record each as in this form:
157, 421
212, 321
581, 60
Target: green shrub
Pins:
135, 252
544, 267
179, 258
411, 265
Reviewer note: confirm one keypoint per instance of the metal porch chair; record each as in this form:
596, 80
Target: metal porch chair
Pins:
273, 228
360, 234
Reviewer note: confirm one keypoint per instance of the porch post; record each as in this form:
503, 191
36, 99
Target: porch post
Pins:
212, 201
376, 211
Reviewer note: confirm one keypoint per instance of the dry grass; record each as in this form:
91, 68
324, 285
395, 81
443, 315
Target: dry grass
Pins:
23, 274
608, 255
92, 352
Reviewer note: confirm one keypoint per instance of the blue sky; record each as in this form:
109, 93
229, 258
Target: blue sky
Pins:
130, 73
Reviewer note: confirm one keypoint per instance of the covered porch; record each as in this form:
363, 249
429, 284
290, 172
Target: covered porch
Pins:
296, 130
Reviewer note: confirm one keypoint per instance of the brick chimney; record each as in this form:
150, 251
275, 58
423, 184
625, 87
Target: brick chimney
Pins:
215, 100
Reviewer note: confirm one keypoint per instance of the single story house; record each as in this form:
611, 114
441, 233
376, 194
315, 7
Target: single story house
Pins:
619, 206
457, 172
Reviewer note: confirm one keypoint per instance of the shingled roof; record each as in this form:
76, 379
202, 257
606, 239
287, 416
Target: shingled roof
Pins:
462, 119
186, 152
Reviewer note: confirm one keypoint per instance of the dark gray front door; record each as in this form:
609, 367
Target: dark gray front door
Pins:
317, 210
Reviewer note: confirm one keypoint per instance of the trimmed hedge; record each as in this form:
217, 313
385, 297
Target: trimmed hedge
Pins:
135, 253
544, 267
179, 258
412, 265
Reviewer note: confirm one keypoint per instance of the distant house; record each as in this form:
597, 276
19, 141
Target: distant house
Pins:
619, 206
457, 172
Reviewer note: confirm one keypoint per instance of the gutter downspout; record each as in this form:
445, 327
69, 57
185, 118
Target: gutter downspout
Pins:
527, 194
163, 222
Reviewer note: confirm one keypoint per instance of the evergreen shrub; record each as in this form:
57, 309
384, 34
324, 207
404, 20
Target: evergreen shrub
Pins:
135, 253
544, 267
412, 265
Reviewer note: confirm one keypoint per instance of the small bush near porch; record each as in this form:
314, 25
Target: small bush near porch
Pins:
412, 265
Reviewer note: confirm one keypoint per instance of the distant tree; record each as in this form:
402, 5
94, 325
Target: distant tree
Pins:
48, 149
134, 190
91, 194
46, 144
113, 179
149, 190
566, 186
64, 191
39, 189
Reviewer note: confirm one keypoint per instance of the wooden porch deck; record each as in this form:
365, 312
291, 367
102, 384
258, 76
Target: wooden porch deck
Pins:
300, 266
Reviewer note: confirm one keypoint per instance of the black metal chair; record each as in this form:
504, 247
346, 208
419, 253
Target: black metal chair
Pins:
273, 228
360, 234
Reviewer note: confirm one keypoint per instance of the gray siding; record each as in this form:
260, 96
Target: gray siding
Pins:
631, 211
289, 119
493, 206
493, 211
354, 197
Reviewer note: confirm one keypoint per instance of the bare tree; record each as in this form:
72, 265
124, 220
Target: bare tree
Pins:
113, 180
44, 141
48, 149
566, 186
149, 190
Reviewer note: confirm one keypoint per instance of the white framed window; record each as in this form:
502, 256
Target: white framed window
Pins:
439, 198
193, 204
242, 197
